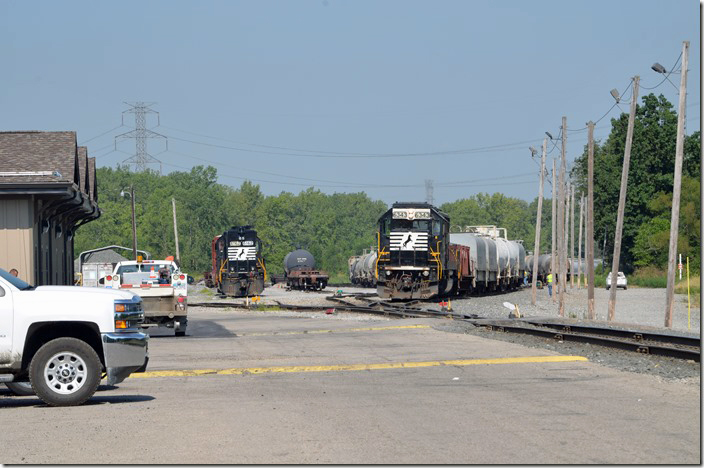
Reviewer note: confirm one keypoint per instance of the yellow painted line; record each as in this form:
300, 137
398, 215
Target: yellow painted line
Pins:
340, 330
356, 367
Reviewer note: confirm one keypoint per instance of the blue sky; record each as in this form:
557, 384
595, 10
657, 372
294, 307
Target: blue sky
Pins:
475, 83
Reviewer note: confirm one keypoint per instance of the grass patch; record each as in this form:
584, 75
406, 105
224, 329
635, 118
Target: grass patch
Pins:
207, 291
695, 292
648, 277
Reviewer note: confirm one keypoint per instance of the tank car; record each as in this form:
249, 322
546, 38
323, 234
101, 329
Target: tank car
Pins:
363, 269
239, 269
300, 271
351, 264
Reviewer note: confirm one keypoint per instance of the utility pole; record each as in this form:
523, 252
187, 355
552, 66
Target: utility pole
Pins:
622, 200
579, 242
561, 220
572, 240
589, 241
178, 254
675, 219
554, 231
140, 133
568, 255
134, 225
536, 251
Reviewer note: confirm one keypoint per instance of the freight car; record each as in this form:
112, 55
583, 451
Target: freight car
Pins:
300, 271
239, 269
545, 265
363, 269
419, 257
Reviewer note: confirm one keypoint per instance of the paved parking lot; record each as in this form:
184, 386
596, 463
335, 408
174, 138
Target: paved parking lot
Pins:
264, 387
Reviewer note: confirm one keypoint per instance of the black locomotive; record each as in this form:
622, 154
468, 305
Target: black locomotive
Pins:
239, 269
419, 258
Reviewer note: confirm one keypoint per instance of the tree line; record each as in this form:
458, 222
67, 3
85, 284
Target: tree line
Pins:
334, 227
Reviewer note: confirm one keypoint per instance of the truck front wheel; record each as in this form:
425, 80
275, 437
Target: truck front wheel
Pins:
65, 372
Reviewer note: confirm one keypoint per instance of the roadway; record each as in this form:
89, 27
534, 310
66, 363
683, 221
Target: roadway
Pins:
262, 387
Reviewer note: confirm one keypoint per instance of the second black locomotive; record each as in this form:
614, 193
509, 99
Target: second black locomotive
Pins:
239, 269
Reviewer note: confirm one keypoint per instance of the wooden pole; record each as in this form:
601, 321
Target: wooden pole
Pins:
561, 220
572, 239
178, 254
536, 251
589, 241
568, 189
622, 201
674, 221
134, 225
553, 220
579, 242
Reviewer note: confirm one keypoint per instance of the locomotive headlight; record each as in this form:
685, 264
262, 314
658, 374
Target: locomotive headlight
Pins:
388, 272
426, 273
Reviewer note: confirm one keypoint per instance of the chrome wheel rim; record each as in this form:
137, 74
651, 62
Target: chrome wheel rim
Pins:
65, 373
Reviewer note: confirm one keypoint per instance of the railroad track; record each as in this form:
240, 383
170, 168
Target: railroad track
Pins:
662, 344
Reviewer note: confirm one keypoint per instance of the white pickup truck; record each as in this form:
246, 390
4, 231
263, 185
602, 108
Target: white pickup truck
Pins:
61, 339
162, 287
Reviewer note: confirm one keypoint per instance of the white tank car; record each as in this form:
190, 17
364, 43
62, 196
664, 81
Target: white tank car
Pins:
498, 262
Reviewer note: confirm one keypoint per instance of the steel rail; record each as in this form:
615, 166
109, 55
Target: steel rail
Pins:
633, 334
626, 344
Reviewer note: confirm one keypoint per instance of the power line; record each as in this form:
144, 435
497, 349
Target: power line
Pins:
343, 155
457, 183
104, 133
482, 182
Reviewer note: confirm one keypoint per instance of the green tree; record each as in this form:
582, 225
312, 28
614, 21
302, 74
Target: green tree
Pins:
650, 173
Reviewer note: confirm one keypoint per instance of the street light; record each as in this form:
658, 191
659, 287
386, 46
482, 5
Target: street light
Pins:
658, 68
549, 136
134, 222
614, 93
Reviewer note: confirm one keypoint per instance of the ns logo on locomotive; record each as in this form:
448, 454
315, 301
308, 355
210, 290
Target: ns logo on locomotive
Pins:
418, 257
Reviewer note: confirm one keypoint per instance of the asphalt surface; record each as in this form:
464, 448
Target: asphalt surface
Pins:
269, 387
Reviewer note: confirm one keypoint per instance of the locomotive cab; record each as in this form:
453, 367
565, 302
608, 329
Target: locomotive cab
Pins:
412, 246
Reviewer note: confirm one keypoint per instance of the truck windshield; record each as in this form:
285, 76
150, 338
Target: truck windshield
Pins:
13, 280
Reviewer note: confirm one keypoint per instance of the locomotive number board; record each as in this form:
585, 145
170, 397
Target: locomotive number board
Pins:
411, 213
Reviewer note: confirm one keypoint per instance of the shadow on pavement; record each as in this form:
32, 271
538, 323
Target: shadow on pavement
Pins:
32, 401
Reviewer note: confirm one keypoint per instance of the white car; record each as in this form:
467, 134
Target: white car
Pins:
621, 281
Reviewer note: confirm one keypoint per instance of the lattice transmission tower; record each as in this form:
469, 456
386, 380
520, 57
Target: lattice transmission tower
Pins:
429, 191
141, 133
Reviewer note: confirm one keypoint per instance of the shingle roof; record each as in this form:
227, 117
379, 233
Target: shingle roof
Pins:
39, 152
83, 169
